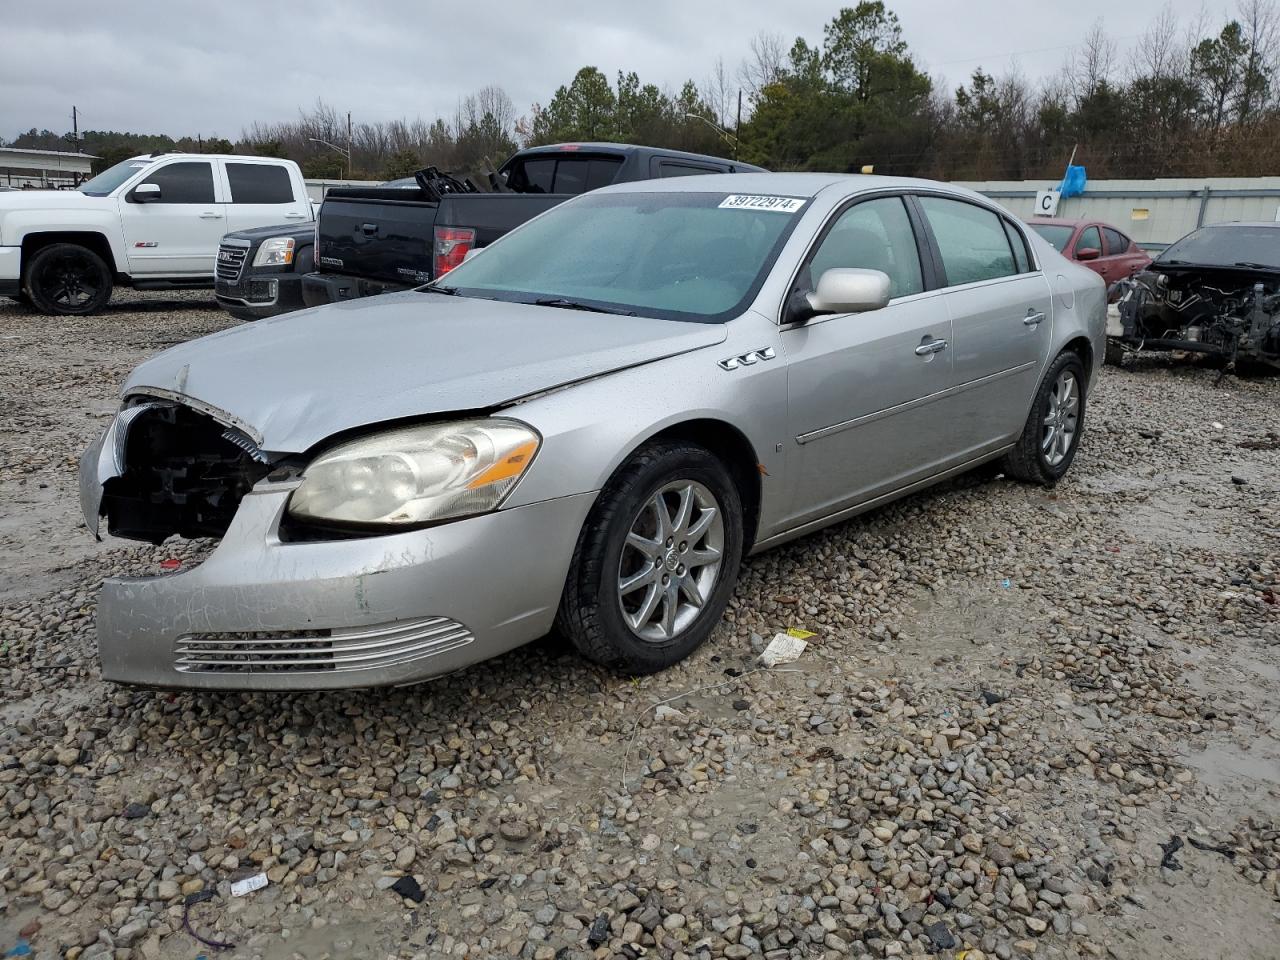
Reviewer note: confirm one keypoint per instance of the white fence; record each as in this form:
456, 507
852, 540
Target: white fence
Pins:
1154, 212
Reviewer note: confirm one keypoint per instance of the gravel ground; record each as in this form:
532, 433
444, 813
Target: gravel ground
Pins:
1014, 701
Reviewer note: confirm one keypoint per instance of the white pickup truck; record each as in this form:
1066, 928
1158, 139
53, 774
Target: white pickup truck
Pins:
152, 222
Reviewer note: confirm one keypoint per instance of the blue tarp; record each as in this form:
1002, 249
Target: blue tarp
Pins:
1073, 182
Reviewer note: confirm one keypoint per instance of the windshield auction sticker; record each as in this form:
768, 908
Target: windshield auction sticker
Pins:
748, 201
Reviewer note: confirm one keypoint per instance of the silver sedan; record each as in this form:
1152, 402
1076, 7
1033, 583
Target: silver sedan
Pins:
586, 426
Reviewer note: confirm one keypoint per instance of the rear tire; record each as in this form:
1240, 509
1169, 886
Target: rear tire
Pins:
656, 561
1054, 426
66, 279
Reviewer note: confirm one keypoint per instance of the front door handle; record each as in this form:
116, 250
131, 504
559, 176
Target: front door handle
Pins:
1033, 318
210, 215
295, 216
368, 229
930, 346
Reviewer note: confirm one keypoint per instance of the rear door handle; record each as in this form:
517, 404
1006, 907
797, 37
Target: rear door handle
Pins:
930, 346
1033, 318
210, 215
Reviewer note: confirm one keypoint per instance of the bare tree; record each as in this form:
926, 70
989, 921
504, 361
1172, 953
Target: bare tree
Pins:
764, 64
1094, 61
721, 94
1159, 54
1260, 23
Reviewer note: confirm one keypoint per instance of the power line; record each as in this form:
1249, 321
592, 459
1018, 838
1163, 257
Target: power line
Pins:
996, 57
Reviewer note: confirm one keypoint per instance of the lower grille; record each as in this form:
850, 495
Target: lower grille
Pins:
230, 261
319, 651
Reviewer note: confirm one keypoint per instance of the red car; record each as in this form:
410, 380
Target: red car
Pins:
1099, 246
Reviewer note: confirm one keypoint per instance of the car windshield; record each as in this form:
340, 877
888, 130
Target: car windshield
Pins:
1227, 245
112, 177
1056, 233
680, 256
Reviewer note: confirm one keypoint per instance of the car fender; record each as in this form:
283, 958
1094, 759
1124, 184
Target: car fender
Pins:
97, 216
590, 429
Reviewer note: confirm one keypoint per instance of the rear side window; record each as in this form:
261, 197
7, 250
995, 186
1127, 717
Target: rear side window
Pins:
669, 168
1089, 238
971, 240
1117, 242
563, 174
259, 183
190, 181
1021, 258
873, 235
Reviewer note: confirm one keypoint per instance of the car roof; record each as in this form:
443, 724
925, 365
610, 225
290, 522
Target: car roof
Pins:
1273, 224
601, 146
806, 185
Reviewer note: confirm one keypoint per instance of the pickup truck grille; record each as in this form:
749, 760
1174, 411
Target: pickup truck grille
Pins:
231, 258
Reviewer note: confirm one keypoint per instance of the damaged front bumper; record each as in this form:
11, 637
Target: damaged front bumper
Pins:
262, 613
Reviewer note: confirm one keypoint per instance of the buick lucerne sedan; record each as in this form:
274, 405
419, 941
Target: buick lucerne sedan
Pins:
585, 427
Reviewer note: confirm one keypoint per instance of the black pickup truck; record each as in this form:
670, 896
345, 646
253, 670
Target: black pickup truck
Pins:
377, 239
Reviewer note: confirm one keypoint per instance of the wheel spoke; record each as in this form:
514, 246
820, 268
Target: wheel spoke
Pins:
672, 602
650, 548
1050, 438
684, 510
689, 587
651, 600
634, 582
664, 516
705, 519
700, 558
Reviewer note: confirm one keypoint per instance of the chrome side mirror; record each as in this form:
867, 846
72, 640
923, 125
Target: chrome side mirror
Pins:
850, 290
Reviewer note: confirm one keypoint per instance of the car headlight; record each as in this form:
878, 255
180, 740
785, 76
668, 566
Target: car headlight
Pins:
275, 252
417, 474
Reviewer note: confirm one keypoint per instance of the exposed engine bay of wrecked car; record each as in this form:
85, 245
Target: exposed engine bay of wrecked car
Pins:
1219, 303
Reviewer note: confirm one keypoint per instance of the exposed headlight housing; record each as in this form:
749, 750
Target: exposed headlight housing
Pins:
276, 252
416, 475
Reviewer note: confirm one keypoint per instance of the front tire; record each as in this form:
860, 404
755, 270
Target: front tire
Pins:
656, 561
66, 279
1052, 433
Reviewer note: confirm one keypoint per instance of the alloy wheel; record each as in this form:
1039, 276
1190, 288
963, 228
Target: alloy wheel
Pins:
69, 281
671, 560
1061, 420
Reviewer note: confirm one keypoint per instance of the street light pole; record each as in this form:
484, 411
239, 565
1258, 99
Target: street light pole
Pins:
345, 153
729, 138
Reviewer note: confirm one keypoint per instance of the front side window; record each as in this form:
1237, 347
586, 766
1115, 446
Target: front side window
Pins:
184, 182
668, 168
678, 256
970, 239
1089, 239
259, 183
873, 235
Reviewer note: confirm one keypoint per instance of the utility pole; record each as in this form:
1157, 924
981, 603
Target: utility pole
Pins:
737, 127
348, 144
75, 129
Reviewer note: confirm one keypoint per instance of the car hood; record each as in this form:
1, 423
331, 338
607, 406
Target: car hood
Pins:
299, 231
48, 200
294, 380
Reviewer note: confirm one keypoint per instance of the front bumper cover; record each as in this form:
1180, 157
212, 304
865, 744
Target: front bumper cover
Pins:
432, 600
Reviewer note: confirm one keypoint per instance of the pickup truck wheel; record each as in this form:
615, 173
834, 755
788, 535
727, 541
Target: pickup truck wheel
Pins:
1052, 433
656, 561
68, 280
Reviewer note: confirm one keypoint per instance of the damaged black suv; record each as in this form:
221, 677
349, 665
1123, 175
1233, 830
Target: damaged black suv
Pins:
1215, 291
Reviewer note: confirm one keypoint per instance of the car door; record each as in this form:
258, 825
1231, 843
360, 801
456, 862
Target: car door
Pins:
177, 233
859, 384
1000, 305
1122, 254
261, 194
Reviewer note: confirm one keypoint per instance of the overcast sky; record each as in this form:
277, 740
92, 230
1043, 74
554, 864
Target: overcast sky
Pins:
160, 66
